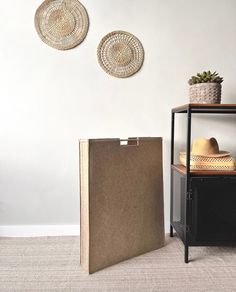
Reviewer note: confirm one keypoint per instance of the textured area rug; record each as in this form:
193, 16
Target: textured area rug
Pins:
52, 264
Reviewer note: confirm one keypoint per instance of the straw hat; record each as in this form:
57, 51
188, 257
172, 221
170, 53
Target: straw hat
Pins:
62, 24
205, 155
198, 162
207, 148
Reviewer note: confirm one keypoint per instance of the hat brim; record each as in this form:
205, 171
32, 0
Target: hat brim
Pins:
220, 154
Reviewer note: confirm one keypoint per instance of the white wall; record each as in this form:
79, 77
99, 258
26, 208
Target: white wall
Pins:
51, 98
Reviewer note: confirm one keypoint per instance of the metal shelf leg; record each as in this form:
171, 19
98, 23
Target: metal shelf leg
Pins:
171, 175
187, 188
186, 249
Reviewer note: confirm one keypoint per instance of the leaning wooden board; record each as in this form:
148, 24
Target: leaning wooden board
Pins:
121, 192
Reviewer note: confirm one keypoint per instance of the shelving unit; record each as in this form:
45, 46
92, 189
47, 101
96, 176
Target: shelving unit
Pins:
203, 203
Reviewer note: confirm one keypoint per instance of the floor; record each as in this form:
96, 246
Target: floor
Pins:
52, 264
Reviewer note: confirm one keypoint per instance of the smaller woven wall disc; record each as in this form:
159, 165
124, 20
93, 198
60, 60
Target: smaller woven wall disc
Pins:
120, 54
62, 24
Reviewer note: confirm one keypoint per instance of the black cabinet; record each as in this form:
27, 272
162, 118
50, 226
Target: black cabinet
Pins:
203, 203
212, 209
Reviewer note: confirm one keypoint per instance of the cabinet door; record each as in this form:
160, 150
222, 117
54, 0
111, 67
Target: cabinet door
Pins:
178, 203
214, 209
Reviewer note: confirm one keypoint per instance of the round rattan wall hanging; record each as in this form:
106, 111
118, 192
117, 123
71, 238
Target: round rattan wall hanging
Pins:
120, 54
62, 24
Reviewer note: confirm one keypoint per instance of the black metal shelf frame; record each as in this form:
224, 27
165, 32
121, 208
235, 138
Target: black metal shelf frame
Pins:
190, 109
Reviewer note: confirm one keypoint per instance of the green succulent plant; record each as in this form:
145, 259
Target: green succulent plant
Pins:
205, 77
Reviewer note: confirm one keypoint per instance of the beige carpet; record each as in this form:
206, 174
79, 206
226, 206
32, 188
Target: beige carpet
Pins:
52, 264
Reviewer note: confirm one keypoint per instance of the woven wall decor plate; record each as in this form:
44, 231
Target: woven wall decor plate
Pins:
120, 54
62, 24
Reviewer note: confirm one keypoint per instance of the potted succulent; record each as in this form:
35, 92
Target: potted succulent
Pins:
205, 88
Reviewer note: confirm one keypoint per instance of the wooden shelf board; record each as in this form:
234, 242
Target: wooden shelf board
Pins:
195, 107
182, 170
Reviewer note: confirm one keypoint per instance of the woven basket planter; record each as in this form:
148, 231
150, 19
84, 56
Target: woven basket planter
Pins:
205, 93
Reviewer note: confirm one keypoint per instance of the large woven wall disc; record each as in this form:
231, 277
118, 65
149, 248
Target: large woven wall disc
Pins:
62, 24
120, 54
